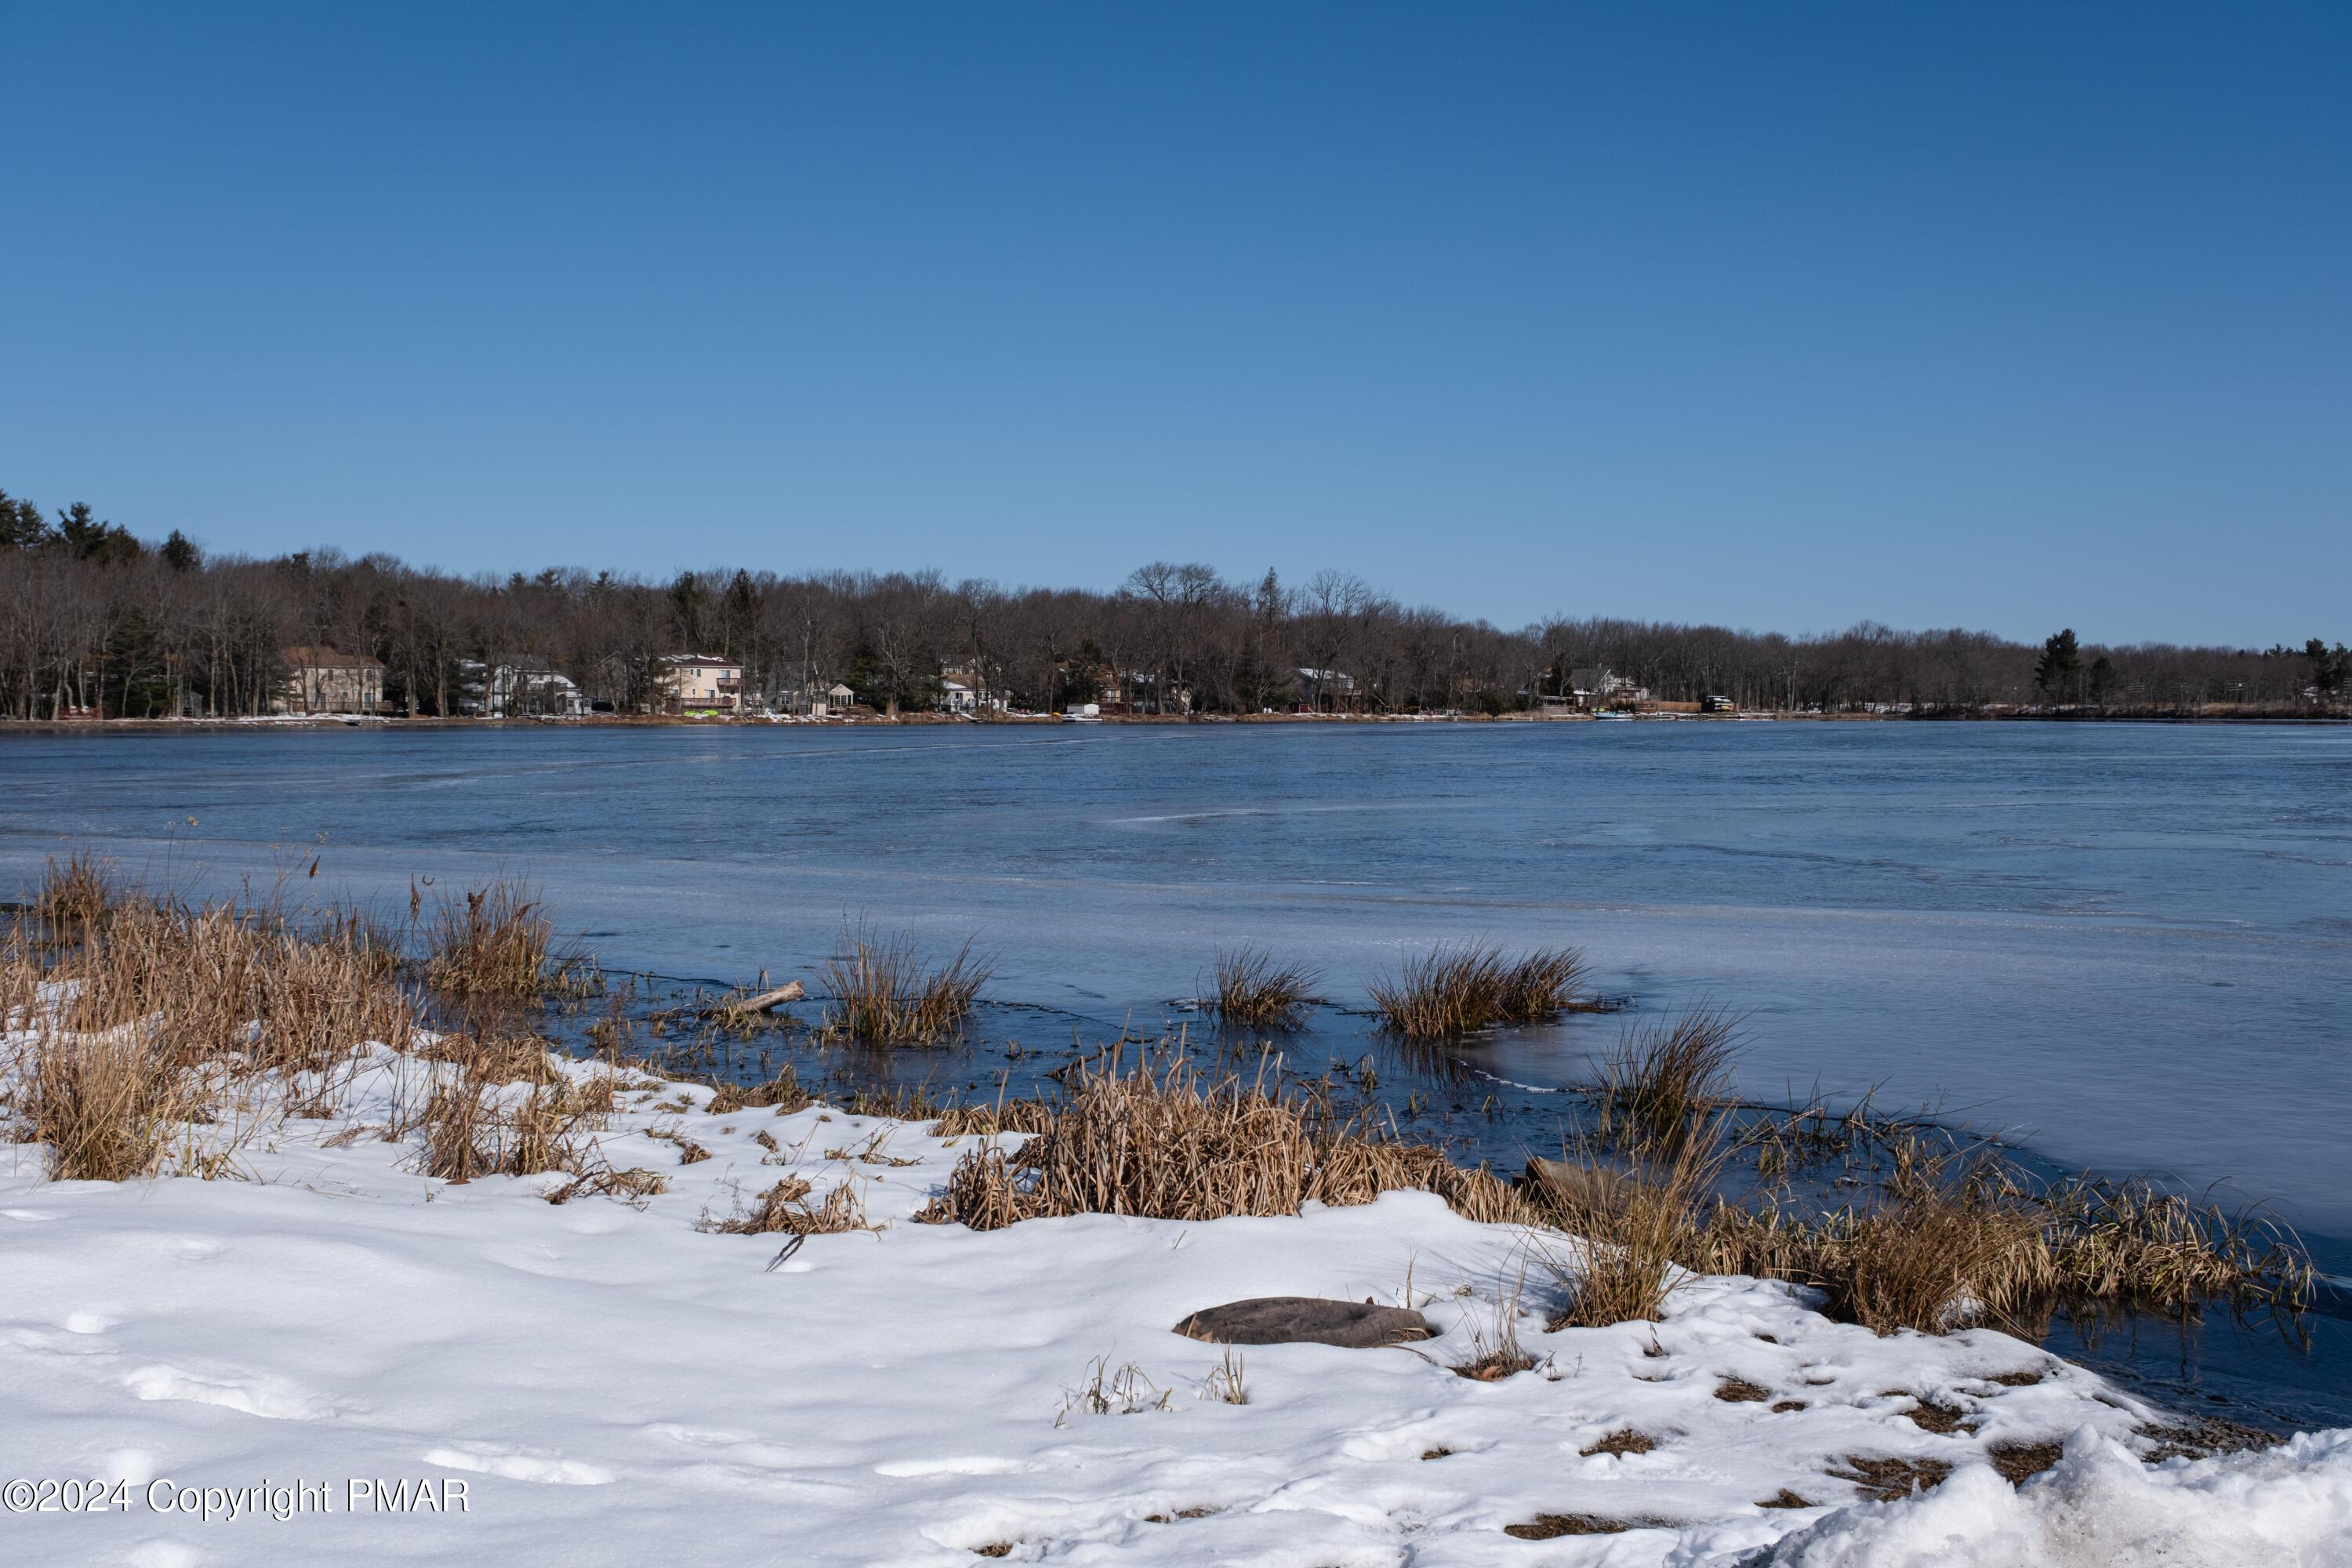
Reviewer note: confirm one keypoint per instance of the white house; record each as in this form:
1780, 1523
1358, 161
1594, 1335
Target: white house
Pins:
700, 683
518, 685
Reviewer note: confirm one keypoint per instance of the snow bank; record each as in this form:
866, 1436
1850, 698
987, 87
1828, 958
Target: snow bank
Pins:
610, 1384
2101, 1507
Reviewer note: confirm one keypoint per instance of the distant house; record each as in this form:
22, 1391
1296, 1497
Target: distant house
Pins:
967, 691
320, 680
1601, 687
840, 699
1319, 689
517, 685
700, 683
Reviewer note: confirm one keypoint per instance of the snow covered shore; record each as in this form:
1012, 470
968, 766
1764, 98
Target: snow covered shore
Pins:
613, 1385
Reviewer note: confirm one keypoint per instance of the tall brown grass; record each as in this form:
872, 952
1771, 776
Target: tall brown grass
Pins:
880, 992
1164, 1142
1253, 991
494, 942
1639, 1221
75, 896
1662, 1082
1958, 1235
1454, 990
124, 1030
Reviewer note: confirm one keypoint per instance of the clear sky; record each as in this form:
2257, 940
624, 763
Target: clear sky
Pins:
1774, 315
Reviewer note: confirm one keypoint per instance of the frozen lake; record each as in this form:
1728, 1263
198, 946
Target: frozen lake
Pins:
2133, 945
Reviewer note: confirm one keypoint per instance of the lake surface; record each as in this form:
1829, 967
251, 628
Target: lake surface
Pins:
2131, 946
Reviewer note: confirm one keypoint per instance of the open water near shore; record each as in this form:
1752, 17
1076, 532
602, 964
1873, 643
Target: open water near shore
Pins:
2125, 947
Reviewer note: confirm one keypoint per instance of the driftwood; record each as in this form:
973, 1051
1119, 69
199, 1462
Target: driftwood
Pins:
1582, 1190
765, 1001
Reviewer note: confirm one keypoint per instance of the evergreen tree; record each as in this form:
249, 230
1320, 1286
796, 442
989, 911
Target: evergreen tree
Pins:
180, 552
22, 526
2062, 657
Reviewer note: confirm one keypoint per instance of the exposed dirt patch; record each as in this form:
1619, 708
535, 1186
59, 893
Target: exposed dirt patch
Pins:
1941, 1419
1625, 1440
2202, 1436
1784, 1498
1784, 1405
2021, 1461
1892, 1481
1547, 1526
1739, 1391
2017, 1379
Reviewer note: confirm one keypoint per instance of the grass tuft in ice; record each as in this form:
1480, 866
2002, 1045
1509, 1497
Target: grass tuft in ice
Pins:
1253, 991
881, 993
494, 944
1453, 991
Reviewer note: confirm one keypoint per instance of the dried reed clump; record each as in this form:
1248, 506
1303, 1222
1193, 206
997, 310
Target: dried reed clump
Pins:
784, 1208
1662, 1083
75, 897
1001, 1117
472, 1129
494, 1056
132, 1025
1451, 990
1163, 1142
783, 1094
881, 993
1956, 1236
2133, 1247
1640, 1224
1254, 992
494, 942
103, 1104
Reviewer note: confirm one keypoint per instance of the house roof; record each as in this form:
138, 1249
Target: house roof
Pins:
838, 689
708, 658
325, 657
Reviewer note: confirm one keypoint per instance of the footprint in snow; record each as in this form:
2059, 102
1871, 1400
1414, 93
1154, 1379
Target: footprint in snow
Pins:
514, 1464
970, 1465
274, 1397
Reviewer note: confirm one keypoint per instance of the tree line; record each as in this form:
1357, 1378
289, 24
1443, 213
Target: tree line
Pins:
96, 620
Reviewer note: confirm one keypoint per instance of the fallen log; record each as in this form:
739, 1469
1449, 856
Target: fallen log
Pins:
765, 1001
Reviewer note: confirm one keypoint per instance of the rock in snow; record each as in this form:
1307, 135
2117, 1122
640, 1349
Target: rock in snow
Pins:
470, 1374
1306, 1321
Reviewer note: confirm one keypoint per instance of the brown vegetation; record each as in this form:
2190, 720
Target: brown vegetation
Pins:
1253, 992
493, 942
1163, 1142
1453, 991
880, 992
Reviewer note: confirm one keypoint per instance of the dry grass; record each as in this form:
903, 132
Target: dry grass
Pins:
881, 993
783, 1094
494, 942
104, 1104
75, 897
130, 1027
473, 1129
1453, 991
999, 1117
784, 1209
1956, 1237
1165, 1143
1662, 1082
1253, 992
1641, 1225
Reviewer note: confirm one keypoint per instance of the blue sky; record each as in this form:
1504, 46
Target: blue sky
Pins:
1777, 316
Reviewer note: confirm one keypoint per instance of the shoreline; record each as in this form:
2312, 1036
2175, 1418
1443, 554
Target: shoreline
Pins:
653, 722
